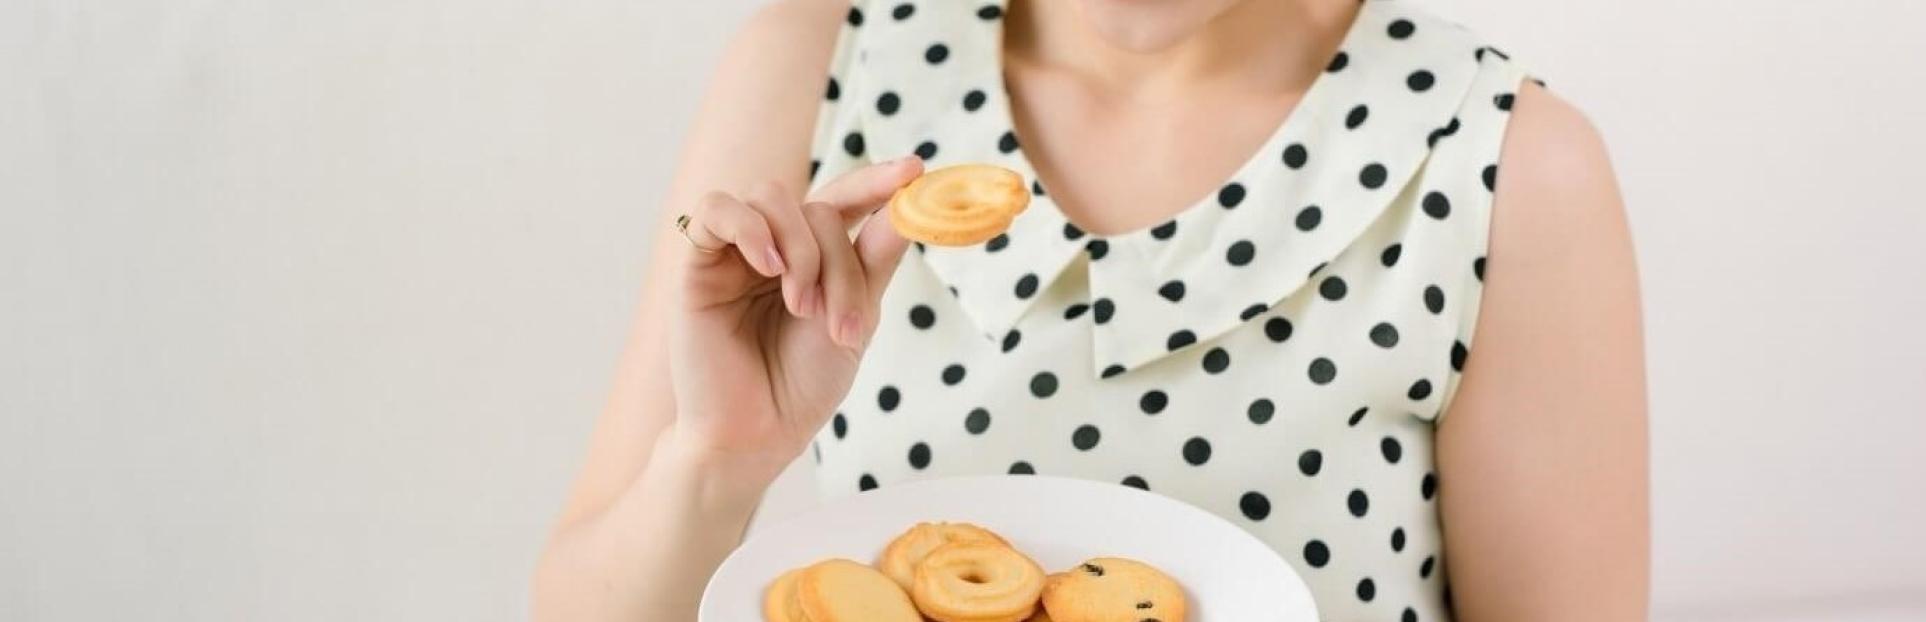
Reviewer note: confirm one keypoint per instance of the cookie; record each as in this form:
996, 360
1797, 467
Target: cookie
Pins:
958, 205
779, 603
840, 590
977, 582
900, 557
1113, 589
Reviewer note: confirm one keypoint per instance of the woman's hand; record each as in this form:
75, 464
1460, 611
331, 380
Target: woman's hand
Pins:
777, 304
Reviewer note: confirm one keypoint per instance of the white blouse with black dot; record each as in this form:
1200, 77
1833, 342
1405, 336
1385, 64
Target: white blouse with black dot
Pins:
1278, 353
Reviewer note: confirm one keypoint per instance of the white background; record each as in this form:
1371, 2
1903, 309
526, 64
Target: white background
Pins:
305, 307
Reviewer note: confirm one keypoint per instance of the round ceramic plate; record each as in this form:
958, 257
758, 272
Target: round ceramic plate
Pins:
1229, 575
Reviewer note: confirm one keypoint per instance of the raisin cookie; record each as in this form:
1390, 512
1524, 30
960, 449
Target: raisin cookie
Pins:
1113, 589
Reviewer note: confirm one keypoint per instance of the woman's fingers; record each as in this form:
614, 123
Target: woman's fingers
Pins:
845, 286
859, 192
799, 247
723, 224
879, 247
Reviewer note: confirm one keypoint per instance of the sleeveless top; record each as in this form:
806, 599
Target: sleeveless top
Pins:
1277, 353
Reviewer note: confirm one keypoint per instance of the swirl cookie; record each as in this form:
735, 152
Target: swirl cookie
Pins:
977, 582
899, 559
958, 205
840, 590
1113, 589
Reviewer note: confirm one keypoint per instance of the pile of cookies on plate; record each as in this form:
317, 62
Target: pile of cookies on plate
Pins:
958, 572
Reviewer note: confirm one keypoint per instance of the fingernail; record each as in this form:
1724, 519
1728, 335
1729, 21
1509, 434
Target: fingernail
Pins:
775, 260
851, 331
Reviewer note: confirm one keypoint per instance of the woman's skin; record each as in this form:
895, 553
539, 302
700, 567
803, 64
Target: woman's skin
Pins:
737, 357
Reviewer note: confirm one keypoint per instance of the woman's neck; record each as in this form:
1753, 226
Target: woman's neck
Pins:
1261, 45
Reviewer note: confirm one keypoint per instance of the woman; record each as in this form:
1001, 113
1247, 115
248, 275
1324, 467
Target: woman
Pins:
1252, 278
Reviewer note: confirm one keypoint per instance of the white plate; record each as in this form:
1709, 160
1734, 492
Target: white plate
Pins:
1229, 574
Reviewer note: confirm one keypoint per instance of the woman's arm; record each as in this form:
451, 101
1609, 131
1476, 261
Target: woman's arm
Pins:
1542, 457
643, 527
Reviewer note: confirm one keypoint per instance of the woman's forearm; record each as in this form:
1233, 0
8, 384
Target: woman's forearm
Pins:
649, 554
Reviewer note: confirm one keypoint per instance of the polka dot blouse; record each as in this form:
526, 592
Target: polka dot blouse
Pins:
1277, 353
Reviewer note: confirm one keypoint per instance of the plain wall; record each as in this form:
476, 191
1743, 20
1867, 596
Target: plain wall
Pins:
306, 307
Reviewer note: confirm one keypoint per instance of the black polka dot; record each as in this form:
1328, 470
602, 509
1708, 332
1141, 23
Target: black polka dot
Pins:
1442, 132
1478, 268
1000, 242
835, 90
921, 248
919, 456
1491, 178
1424, 569
1393, 450
1216, 361
1240, 253
1164, 231
989, 11
1358, 503
1179, 339
1295, 156
1260, 411
1338, 63
1172, 291
1075, 311
839, 425
1434, 299
888, 103
903, 11
1113, 371
888, 398
1097, 249
1253, 311
926, 150
1323, 371
814, 166
816, 449
1309, 217
855, 17
936, 53
1401, 29
1367, 589
1022, 468
974, 100
1310, 462
1429, 487
1373, 176
921, 316
1230, 195
1277, 329
1408, 616
1436, 205
1458, 354
1254, 505
1333, 288
1357, 116
866, 483
1384, 335
1136, 482
1419, 390
1390, 255
1071, 232
1085, 437
1397, 540
1043, 385
853, 144
1357, 416
1026, 286
1420, 80
1007, 143
1011, 339
1316, 553
977, 421
1153, 402
1102, 310
1316, 269
1197, 450
953, 374
1504, 101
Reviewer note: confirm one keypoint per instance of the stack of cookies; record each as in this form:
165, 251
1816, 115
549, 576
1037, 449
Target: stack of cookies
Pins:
958, 572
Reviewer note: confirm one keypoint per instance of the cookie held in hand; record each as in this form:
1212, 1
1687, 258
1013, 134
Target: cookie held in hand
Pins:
958, 205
